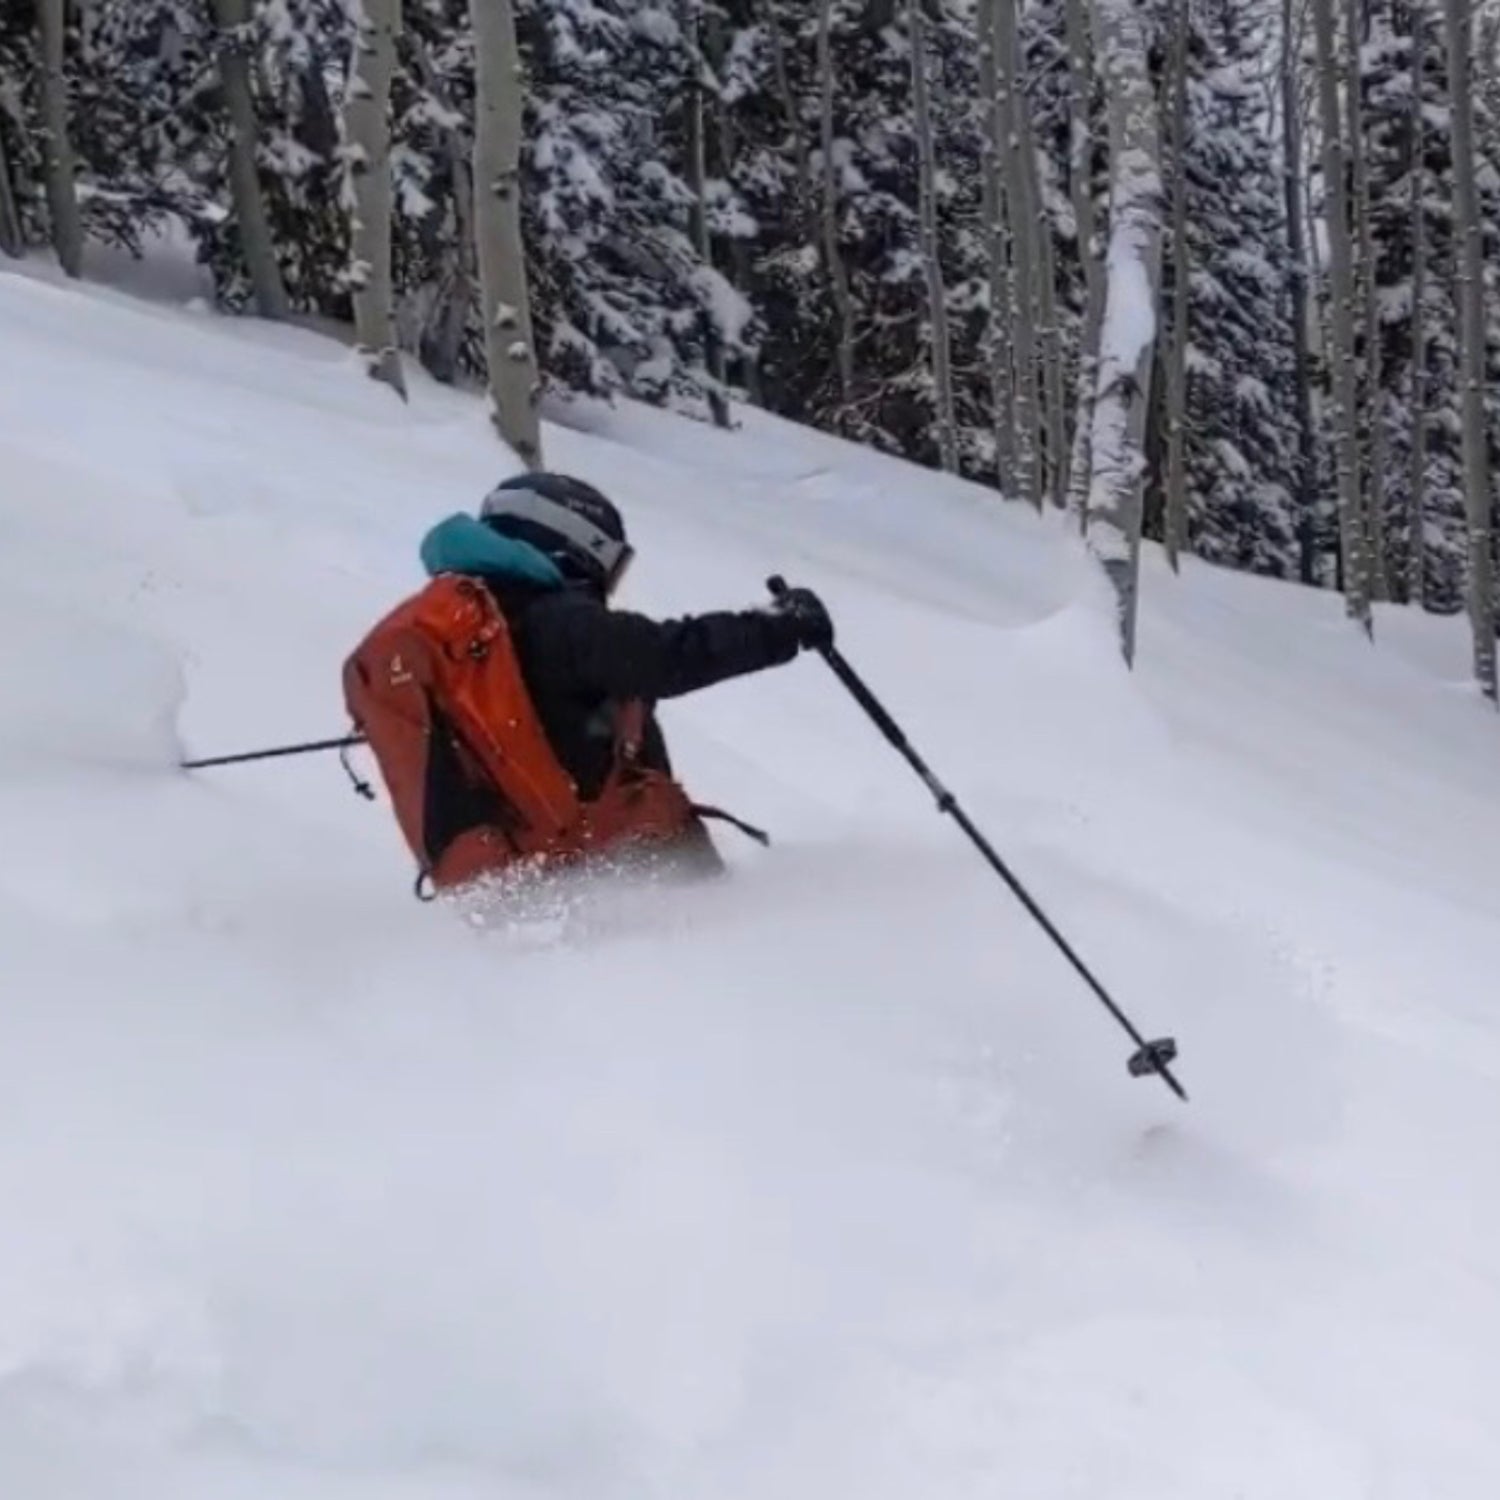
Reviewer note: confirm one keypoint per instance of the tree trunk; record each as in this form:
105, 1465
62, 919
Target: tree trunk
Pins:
937, 298
1488, 54
838, 277
319, 129
1471, 326
715, 50
443, 347
800, 153
368, 128
1416, 572
58, 160
509, 347
697, 182
233, 17
1296, 232
1318, 332
1081, 461
1341, 351
1175, 530
1370, 421
1001, 330
1022, 223
1050, 327
12, 241
1128, 333
1081, 187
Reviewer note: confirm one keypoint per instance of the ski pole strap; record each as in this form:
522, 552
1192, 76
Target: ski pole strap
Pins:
358, 782
718, 815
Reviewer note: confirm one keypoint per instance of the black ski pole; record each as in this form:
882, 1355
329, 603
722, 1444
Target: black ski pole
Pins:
1149, 1057
343, 745
309, 748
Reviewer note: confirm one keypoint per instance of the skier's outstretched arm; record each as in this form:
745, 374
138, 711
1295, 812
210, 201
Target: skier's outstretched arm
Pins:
624, 656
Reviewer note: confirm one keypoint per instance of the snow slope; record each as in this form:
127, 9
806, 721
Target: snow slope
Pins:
828, 1181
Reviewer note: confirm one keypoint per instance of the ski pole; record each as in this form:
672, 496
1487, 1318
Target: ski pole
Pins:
1149, 1057
309, 748
343, 745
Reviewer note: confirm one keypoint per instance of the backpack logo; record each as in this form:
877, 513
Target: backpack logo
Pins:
400, 676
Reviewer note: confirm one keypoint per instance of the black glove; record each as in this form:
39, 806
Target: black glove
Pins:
810, 620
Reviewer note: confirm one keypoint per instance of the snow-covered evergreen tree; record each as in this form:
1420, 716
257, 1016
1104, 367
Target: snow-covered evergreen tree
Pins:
433, 233
623, 299
690, 240
1407, 144
157, 136
20, 155
766, 196
778, 179
1241, 433
1066, 107
149, 129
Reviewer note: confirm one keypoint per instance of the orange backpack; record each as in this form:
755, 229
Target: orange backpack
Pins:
437, 692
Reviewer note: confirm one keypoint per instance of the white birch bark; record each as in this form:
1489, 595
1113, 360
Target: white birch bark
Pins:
1341, 320
233, 17
1080, 463
367, 126
1471, 323
937, 299
1128, 333
838, 276
58, 162
993, 207
509, 346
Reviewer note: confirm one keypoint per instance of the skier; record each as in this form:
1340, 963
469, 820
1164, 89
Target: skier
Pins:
537, 741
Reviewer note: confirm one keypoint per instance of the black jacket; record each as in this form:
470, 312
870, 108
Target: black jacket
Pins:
582, 659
